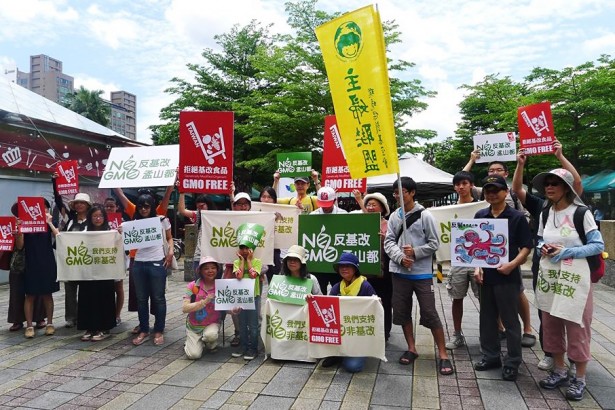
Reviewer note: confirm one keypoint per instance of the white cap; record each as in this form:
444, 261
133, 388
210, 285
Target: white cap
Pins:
326, 197
242, 195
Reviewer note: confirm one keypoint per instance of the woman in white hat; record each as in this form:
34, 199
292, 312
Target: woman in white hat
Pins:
294, 264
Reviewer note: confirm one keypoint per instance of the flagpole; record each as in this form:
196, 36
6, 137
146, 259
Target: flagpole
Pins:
401, 204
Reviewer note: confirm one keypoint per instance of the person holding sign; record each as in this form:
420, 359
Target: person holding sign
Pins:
294, 264
203, 321
111, 207
304, 201
559, 241
352, 284
202, 203
500, 286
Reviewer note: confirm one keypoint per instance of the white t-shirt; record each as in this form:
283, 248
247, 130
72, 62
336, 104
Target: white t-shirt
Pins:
560, 227
336, 210
154, 253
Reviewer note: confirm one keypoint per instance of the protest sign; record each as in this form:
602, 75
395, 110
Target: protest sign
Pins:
67, 182
563, 287
286, 188
90, 256
443, 216
294, 164
289, 289
205, 151
335, 172
142, 233
325, 237
354, 54
115, 219
496, 147
232, 293
325, 321
131, 167
31, 213
7, 225
286, 227
219, 234
479, 242
536, 133
284, 331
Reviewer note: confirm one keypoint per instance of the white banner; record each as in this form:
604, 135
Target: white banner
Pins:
219, 234
443, 216
562, 288
90, 256
142, 233
496, 147
131, 167
232, 293
481, 243
286, 227
284, 331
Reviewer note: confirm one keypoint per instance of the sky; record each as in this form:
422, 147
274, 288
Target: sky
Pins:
139, 45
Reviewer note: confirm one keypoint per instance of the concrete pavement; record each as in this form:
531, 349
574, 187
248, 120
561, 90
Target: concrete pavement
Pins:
61, 372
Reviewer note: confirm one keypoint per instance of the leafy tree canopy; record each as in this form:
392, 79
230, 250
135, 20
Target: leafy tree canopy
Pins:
89, 104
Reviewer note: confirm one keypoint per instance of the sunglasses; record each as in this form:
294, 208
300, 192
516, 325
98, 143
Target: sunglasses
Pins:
553, 183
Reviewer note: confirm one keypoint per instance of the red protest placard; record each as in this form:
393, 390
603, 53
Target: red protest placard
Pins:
115, 219
31, 213
205, 151
536, 134
325, 321
67, 182
7, 226
335, 172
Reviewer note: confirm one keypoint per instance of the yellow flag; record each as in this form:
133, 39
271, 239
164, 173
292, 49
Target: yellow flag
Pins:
353, 50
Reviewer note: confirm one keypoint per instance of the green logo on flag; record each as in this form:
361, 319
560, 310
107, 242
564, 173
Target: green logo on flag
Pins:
348, 41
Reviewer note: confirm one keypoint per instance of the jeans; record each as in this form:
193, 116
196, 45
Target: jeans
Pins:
248, 327
353, 364
150, 282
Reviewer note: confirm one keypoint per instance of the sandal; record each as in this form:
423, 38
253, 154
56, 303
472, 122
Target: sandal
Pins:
41, 324
408, 357
235, 341
139, 340
445, 367
159, 340
136, 330
16, 327
528, 340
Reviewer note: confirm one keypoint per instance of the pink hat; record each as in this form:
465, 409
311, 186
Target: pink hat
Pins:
206, 259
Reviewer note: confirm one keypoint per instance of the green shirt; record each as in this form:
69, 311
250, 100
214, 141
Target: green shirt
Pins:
257, 266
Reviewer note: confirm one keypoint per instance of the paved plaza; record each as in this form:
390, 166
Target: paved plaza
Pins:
61, 372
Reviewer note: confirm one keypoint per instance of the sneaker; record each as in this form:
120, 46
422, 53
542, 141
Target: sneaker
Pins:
572, 371
29, 333
546, 363
97, 337
576, 390
237, 354
118, 320
553, 381
249, 356
457, 341
50, 330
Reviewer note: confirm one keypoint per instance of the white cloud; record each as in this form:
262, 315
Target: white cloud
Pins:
94, 84
114, 32
599, 44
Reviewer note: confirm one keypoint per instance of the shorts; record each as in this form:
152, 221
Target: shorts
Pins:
402, 302
459, 280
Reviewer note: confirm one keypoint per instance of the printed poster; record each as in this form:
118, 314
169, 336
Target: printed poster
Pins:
31, 213
536, 133
67, 181
325, 321
294, 164
496, 147
206, 151
284, 331
137, 167
289, 289
142, 233
286, 224
335, 172
479, 242
325, 237
7, 225
115, 219
232, 293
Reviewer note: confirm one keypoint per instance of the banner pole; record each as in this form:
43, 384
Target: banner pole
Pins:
401, 204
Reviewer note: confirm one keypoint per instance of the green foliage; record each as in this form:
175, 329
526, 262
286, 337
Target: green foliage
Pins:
89, 104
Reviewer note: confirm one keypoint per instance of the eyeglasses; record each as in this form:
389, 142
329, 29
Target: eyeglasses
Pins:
494, 170
403, 192
144, 206
98, 217
552, 183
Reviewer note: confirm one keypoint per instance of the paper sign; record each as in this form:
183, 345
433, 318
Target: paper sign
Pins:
335, 172
132, 167
205, 151
295, 164
479, 242
31, 212
231, 293
536, 134
67, 182
496, 147
7, 225
115, 219
289, 289
325, 320
142, 233
286, 227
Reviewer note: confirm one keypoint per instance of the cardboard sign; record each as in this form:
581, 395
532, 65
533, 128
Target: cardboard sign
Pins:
31, 213
67, 182
7, 225
132, 167
335, 172
295, 164
231, 293
536, 133
325, 320
496, 147
142, 233
286, 227
115, 219
325, 237
289, 289
479, 242
205, 151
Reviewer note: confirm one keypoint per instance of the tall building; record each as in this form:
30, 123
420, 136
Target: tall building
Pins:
125, 118
48, 80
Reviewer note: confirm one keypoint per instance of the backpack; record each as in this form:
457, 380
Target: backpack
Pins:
410, 219
595, 262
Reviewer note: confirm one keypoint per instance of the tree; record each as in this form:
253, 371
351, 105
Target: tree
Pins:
89, 104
